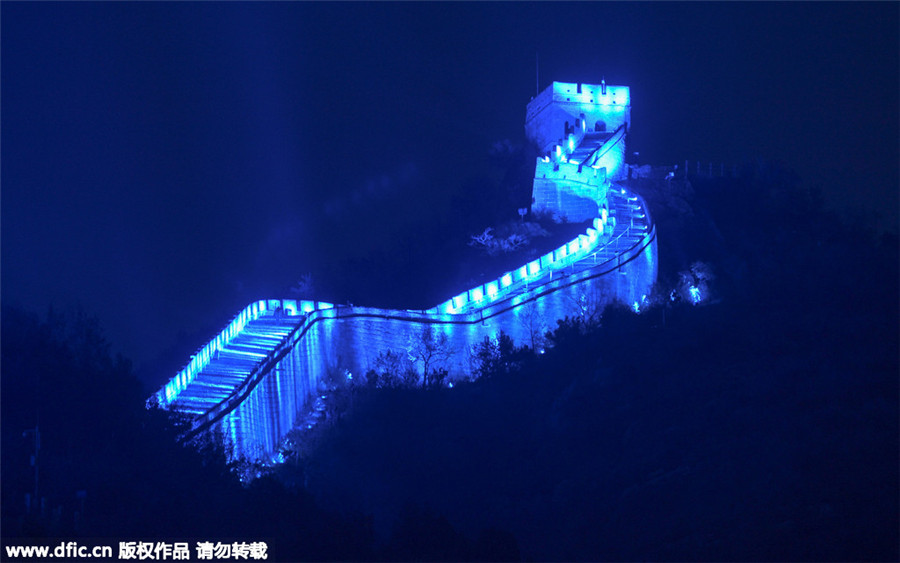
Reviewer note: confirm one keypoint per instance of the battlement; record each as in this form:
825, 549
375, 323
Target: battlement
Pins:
580, 94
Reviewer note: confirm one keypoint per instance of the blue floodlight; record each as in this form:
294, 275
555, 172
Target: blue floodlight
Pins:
492, 289
695, 294
506, 280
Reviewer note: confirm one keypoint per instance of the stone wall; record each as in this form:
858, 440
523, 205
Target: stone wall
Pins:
560, 189
346, 340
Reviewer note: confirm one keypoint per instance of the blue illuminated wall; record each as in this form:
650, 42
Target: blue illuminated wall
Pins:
261, 375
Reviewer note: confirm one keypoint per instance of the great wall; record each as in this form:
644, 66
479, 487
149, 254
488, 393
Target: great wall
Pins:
262, 374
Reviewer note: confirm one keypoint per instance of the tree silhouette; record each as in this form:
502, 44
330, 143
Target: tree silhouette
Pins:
430, 348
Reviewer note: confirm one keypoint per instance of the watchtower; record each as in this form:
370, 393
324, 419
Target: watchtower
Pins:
580, 130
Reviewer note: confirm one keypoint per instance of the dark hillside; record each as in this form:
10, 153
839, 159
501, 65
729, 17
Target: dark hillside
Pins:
110, 469
762, 426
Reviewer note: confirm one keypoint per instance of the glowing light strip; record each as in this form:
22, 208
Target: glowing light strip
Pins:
563, 257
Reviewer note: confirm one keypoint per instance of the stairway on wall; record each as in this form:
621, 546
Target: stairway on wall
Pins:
591, 142
234, 362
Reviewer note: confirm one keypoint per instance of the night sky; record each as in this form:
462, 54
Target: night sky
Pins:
165, 164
